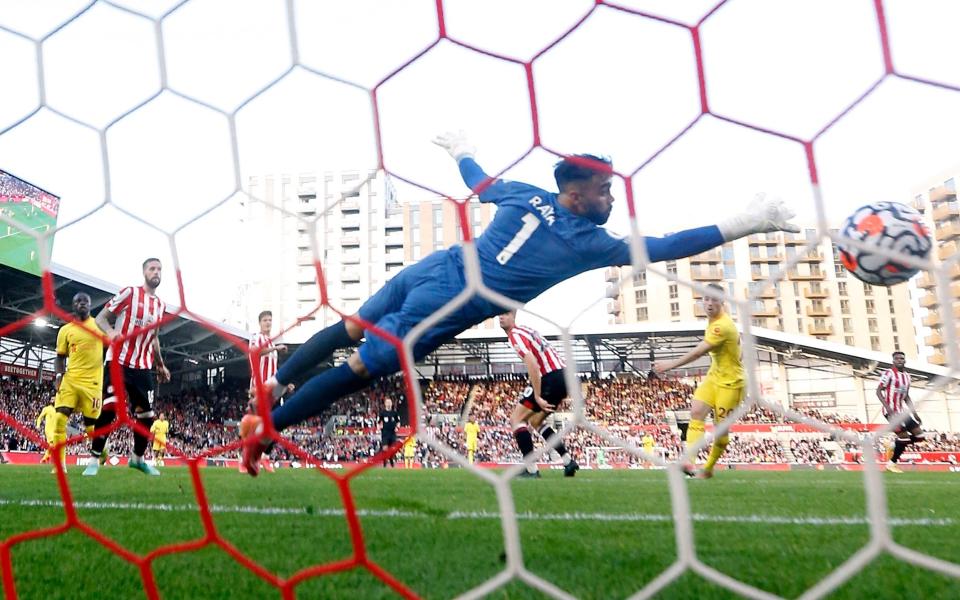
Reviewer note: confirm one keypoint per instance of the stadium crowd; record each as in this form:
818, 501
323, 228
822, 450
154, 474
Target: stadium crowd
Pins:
202, 419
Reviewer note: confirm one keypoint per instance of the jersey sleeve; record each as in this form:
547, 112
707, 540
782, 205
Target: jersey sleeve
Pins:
118, 303
610, 249
885, 379
62, 344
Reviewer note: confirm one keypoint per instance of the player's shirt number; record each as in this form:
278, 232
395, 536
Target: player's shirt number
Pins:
530, 224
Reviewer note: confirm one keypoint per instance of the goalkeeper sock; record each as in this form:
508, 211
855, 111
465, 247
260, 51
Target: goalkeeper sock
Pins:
317, 394
695, 432
317, 349
547, 432
719, 446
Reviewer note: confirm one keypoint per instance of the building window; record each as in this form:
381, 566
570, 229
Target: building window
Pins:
890, 305
841, 286
871, 309
642, 313
896, 342
673, 291
848, 324
641, 277
874, 343
845, 307
848, 340
872, 325
867, 289
641, 296
758, 322
674, 309
893, 326
672, 267
755, 270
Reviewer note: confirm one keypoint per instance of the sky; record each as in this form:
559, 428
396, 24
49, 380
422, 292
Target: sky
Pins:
619, 85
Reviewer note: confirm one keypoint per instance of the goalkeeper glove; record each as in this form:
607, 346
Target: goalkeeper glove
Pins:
762, 215
457, 144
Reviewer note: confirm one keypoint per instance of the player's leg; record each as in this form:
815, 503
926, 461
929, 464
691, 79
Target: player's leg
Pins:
65, 403
50, 435
519, 424
140, 394
553, 389
389, 299
88, 405
703, 400
727, 401
60, 418
98, 447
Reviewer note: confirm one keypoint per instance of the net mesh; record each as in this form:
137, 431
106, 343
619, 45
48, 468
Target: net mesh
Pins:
515, 566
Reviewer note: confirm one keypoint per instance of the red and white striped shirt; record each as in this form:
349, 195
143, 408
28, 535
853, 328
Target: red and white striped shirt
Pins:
135, 309
524, 340
896, 386
266, 364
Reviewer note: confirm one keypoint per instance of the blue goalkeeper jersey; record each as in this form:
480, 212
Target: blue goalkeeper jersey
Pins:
534, 243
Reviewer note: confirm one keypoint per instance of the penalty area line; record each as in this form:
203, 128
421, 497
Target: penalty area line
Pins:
483, 515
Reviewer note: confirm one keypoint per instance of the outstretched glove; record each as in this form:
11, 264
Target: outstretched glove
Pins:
762, 215
457, 144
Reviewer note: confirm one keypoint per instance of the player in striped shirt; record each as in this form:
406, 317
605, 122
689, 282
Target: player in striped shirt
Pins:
127, 314
537, 239
263, 356
894, 395
263, 365
546, 391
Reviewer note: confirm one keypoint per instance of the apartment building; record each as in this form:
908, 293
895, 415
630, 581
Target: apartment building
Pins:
364, 236
813, 296
938, 202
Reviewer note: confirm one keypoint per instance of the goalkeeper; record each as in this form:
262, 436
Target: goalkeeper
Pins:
537, 239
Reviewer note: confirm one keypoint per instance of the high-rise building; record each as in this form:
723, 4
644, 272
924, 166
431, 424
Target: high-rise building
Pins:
815, 297
938, 203
364, 236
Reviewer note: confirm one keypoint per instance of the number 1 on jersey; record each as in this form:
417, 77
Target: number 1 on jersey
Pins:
530, 224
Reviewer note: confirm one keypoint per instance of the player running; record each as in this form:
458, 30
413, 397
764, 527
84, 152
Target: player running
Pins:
79, 368
723, 388
531, 223
132, 310
894, 395
546, 391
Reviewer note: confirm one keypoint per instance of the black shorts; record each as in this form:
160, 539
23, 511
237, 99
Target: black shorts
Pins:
138, 383
553, 389
909, 424
388, 439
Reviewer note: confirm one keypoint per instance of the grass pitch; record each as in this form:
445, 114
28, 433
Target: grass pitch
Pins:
602, 534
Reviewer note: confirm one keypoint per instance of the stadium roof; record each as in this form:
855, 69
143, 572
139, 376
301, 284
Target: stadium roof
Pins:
190, 346
187, 344
644, 341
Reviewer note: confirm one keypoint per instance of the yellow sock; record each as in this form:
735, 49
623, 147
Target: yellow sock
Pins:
60, 435
694, 434
719, 445
470, 456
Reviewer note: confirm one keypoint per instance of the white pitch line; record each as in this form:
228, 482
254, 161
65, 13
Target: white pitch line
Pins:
483, 515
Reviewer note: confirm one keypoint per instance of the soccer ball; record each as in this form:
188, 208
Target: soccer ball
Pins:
887, 225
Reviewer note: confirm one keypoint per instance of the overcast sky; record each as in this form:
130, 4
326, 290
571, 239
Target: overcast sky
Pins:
619, 85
